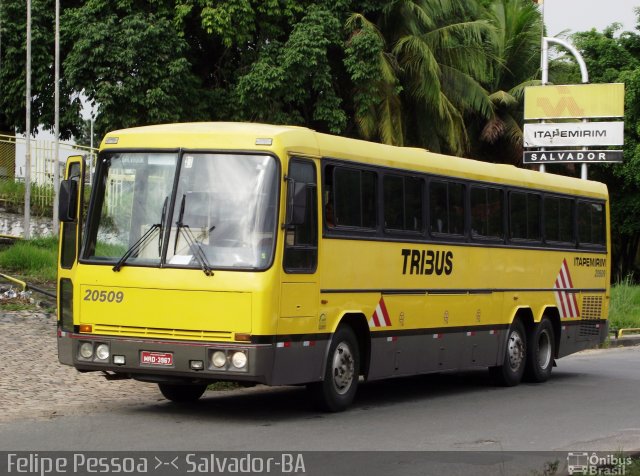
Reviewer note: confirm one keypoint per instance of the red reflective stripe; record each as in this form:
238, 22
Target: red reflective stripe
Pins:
376, 322
566, 268
385, 314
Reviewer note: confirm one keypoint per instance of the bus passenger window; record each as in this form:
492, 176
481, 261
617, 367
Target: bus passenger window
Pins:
446, 207
558, 219
354, 197
402, 203
393, 190
524, 216
591, 223
486, 212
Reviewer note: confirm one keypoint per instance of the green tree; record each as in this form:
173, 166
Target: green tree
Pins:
430, 64
515, 55
616, 58
129, 60
13, 70
294, 78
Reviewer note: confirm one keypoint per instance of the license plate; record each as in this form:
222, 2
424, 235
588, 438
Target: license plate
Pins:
156, 358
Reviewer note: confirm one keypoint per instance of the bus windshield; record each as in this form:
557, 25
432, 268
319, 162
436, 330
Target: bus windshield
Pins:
223, 214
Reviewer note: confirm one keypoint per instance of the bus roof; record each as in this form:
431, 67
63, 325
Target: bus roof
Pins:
301, 140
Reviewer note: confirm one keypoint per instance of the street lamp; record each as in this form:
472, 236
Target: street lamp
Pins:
56, 94
27, 156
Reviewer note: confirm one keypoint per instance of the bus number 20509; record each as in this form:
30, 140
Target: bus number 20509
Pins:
103, 296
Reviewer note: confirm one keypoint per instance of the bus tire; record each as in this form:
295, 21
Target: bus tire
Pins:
540, 349
512, 369
182, 393
338, 388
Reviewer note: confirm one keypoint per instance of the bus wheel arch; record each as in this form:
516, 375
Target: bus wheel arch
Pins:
347, 357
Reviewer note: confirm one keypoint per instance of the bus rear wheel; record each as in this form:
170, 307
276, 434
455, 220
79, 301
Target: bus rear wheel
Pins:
182, 393
510, 372
338, 388
540, 351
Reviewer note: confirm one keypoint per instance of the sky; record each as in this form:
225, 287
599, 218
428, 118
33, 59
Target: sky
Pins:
582, 15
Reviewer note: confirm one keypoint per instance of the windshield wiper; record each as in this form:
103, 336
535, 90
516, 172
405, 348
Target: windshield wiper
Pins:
144, 239
162, 219
192, 242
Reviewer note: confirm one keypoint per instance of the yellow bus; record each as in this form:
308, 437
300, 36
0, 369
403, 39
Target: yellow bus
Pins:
277, 255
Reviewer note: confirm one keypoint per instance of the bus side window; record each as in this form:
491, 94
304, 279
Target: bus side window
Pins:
486, 213
558, 219
524, 216
402, 203
446, 207
301, 241
591, 221
354, 197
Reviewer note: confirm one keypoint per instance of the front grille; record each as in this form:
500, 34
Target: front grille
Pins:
151, 332
592, 307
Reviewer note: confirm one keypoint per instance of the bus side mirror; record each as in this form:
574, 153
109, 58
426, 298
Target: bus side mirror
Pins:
68, 201
296, 203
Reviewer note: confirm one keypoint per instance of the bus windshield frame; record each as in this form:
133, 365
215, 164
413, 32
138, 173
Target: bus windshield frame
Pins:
183, 209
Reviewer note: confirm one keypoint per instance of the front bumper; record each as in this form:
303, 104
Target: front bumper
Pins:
183, 354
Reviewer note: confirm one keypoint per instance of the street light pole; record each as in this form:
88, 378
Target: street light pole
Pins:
56, 155
27, 156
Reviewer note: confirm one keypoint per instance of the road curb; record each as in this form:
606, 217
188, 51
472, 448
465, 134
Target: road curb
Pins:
625, 341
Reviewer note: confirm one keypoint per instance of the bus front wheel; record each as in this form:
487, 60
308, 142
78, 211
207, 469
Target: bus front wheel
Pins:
512, 369
338, 388
182, 393
540, 351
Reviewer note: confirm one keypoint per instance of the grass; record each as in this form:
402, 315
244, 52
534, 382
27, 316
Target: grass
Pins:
624, 311
12, 197
34, 260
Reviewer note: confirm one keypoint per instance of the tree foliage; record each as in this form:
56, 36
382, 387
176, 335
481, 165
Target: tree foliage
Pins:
616, 58
13, 70
515, 54
441, 74
129, 60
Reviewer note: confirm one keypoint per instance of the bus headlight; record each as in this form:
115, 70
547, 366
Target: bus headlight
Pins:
86, 350
102, 352
219, 359
239, 360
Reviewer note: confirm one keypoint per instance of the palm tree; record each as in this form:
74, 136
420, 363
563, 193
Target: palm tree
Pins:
434, 62
373, 70
515, 51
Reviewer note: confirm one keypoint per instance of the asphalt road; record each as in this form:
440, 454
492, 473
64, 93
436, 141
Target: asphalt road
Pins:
590, 403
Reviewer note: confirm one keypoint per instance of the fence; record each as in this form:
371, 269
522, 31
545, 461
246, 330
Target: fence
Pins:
43, 163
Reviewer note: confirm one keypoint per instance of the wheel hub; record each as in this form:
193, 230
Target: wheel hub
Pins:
516, 350
343, 368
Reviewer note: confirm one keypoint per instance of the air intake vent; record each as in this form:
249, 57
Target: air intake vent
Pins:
150, 332
588, 329
592, 307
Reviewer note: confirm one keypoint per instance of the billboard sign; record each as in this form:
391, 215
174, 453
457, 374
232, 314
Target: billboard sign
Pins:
574, 134
574, 101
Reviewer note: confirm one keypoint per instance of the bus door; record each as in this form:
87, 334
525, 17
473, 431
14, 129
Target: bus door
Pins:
70, 213
299, 290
